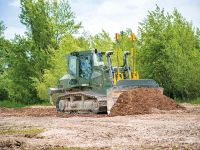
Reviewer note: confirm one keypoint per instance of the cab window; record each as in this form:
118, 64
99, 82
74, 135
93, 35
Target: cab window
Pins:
72, 64
85, 66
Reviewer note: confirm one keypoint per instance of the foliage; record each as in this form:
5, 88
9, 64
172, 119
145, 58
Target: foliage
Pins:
5, 47
11, 104
102, 41
195, 101
48, 21
58, 61
20, 69
35, 17
29, 131
25, 60
191, 101
2, 28
169, 52
62, 19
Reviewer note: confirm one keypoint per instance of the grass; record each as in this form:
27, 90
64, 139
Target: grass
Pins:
45, 103
195, 101
191, 101
29, 131
13, 104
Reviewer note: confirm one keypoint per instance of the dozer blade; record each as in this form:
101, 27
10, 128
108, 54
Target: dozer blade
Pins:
137, 83
125, 85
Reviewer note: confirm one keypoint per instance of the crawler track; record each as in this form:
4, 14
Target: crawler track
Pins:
82, 102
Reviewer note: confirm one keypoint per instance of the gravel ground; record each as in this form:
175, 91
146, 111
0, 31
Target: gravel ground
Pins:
176, 129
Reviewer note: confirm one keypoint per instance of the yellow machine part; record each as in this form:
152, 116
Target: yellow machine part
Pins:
133, 74
118, 76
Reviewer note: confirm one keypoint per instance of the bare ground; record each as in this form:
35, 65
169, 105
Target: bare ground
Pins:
175, 129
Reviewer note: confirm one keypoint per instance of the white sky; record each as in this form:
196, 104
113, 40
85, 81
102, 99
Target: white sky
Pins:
110, 15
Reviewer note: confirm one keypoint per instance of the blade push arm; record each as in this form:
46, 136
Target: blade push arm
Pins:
109, 63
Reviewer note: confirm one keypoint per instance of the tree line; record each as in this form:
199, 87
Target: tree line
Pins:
167, 50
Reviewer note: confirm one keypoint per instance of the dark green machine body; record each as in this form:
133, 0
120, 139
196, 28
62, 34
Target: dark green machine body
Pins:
88, 86
86, 71
85, 85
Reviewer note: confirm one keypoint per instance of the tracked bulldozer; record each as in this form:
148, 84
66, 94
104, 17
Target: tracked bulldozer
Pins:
92, 86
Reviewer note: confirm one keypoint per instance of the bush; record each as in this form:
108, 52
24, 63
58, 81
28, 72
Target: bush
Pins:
169, 53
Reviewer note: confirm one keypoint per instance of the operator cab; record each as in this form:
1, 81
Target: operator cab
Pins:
80, 64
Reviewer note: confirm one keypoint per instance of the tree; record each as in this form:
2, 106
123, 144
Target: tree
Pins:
102, 41
59, 64
4, 46
48, 21
168, 53
2, 28
21, 68
35, 17
62, 19
4, 51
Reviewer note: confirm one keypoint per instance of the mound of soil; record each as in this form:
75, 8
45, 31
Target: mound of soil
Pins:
142, 101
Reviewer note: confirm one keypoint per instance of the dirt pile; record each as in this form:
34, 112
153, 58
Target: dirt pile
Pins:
142, 101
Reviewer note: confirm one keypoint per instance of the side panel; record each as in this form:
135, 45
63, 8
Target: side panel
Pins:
100, 80
67, 81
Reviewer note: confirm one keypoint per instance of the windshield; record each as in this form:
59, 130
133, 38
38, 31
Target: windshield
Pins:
98, 61
85, 66
72, 64
99, 57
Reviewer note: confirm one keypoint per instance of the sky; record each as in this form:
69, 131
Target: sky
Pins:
110, 15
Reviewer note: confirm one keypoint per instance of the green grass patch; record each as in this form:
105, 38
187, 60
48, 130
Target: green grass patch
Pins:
14, 104
11, 104
44, 103
191, 101
195, 101
30, 131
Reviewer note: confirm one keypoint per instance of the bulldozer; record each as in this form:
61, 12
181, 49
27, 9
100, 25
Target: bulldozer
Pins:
91, 86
